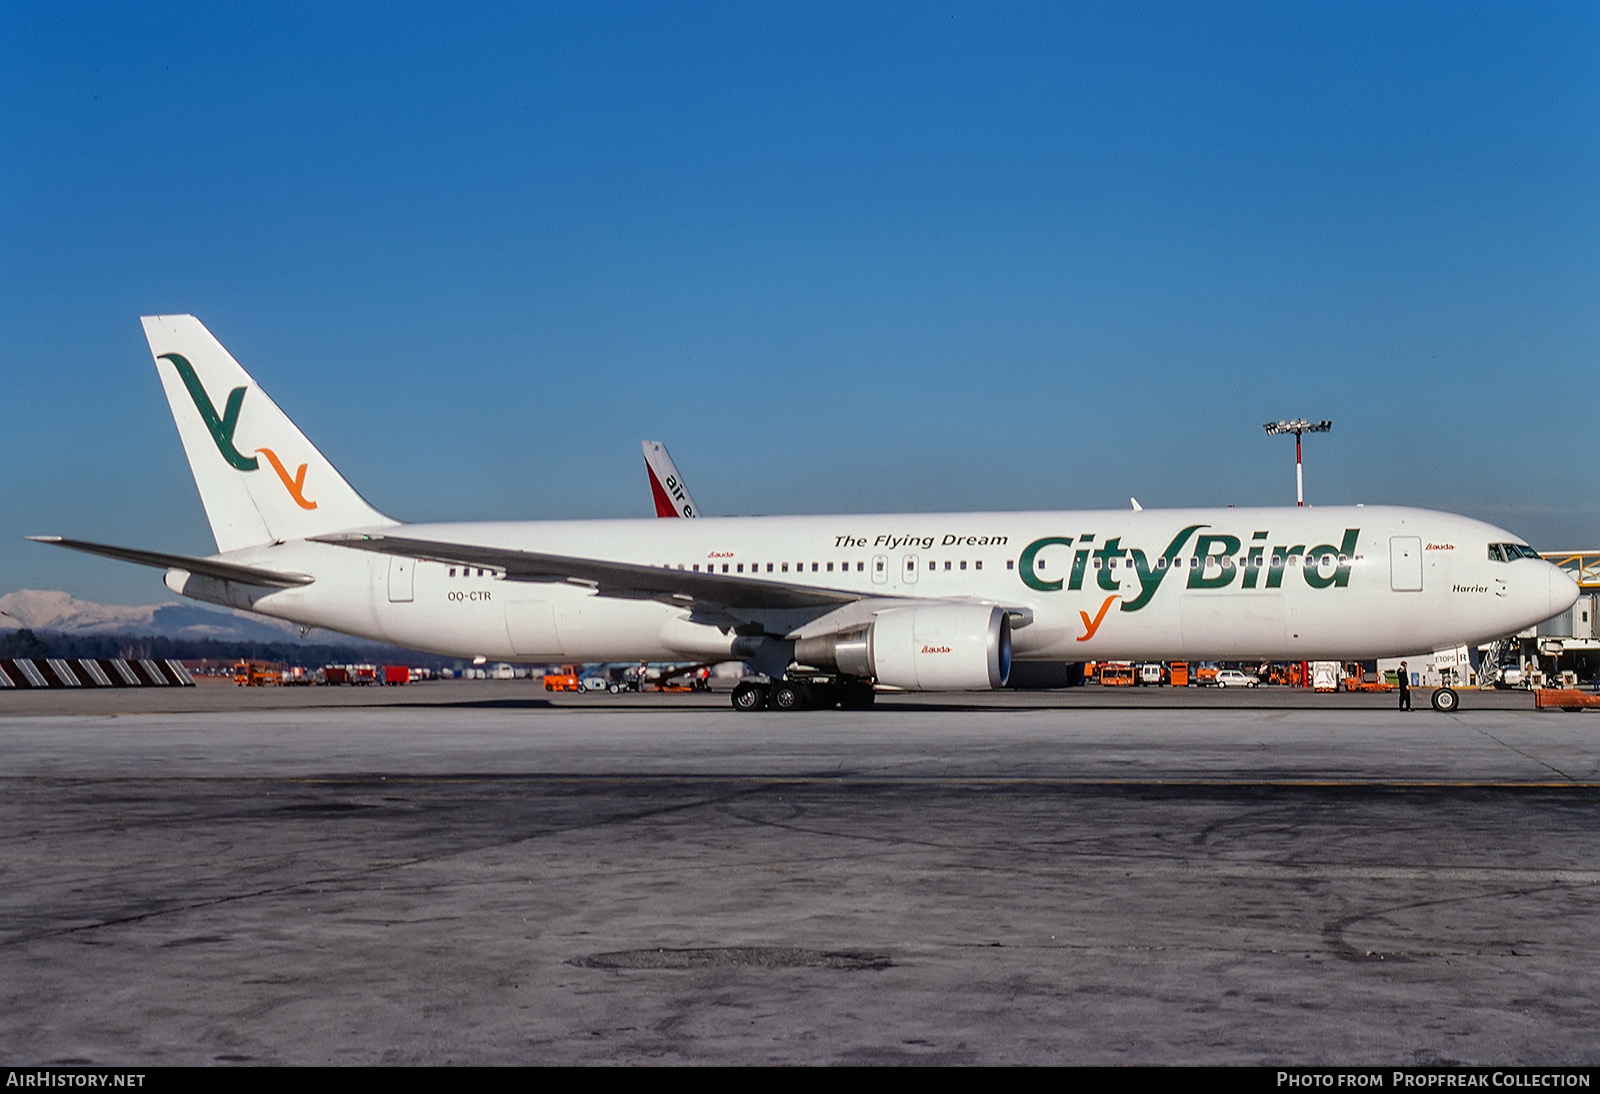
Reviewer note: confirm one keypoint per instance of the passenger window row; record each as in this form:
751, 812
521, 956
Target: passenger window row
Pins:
1499, 552
1227, 563
954, 565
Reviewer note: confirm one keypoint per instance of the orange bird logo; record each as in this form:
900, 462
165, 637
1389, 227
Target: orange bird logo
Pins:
296, 486
1089, 625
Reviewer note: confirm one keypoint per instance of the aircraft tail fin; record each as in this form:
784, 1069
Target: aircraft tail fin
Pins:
260, 480
666, 485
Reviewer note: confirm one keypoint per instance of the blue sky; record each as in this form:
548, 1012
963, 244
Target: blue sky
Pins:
839, 257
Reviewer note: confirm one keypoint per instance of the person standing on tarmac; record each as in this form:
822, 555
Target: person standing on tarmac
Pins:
1405, 686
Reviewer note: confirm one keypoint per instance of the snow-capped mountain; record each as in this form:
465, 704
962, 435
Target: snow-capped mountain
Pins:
49, 610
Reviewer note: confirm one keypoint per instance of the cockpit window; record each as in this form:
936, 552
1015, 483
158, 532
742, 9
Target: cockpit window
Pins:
1510, 552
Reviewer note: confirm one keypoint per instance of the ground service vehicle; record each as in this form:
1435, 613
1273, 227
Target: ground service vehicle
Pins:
256, 674
564, 679
1118, 674
1356, 679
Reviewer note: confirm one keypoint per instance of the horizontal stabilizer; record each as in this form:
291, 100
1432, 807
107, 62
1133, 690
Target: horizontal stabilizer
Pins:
208, 567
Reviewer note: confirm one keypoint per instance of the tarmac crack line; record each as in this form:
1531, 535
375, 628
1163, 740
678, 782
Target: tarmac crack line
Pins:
1534, 759
1333, 932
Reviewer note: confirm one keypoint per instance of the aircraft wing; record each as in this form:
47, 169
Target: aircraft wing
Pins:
622, 579
209, 567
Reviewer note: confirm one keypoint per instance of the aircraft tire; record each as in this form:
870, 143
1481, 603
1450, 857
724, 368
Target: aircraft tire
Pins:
790, 697
749, 697
1445, 700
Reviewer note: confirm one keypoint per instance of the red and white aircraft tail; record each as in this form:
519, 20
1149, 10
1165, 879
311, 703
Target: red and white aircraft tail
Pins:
666, 485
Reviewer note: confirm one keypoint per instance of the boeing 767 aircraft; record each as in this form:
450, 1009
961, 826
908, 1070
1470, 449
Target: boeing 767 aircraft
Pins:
822, 608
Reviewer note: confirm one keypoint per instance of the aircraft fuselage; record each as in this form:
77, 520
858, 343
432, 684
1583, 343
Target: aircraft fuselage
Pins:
1311, 583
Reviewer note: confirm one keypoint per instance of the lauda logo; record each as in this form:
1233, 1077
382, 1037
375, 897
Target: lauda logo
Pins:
221, 427
935, 649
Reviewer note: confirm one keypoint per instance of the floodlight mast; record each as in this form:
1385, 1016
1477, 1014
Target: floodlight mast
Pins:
1297, 427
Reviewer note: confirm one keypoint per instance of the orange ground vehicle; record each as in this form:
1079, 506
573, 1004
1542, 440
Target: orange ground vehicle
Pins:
255, 674
1290, 674
1355, 679
565, 680
1563, 699
1204, 675
1179, 671
1118, 674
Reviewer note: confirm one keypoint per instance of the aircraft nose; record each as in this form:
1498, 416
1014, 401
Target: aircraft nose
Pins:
1563, 591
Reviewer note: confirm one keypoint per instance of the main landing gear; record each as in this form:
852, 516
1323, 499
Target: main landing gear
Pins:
1445, 700
804, 693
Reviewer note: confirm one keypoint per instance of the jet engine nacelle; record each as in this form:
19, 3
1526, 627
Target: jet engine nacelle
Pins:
926, 647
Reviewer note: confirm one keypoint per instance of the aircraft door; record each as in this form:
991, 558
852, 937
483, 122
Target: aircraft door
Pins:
908, 569
402, 571
531, 626
1405, 564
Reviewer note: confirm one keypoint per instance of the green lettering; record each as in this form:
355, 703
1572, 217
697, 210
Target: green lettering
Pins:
1025, 563
1252, 567
1113, 547
1080, 562
1280, 559
1341, 573
1208, 549
1149, 582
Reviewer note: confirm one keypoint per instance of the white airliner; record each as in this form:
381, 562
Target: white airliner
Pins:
821, 607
